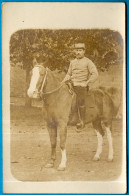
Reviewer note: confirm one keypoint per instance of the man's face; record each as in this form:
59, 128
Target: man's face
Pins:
79, 53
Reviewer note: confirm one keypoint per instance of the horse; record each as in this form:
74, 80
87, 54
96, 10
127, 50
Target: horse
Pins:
58, 99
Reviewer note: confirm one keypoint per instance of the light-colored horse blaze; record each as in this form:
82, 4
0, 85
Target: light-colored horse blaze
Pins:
32, 91
58, 105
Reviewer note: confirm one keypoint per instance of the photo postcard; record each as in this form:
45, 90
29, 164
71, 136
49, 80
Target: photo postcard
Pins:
64, 98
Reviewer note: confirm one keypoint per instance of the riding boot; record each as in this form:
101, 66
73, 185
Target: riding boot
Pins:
81, 124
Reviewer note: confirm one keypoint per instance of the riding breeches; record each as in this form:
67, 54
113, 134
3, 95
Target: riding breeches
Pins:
81, 93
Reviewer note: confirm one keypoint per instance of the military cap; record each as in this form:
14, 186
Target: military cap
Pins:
79, 46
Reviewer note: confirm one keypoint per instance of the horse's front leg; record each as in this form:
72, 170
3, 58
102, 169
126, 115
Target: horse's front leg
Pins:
62, 129
53, 139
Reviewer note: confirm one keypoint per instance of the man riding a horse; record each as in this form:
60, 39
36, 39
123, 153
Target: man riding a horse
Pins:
81, 73
58, 100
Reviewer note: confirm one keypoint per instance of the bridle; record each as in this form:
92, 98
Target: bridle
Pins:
43, 83
41, 92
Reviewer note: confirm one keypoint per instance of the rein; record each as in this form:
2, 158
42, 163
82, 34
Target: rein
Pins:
41, 93
43, 84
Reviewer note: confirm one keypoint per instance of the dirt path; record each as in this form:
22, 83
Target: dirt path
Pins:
30, 151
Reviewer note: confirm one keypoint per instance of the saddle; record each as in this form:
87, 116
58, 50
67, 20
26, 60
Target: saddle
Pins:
89, 98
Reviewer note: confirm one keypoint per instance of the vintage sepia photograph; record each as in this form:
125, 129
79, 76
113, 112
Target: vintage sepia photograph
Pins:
64, 110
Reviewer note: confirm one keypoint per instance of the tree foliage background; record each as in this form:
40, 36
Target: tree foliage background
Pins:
103, 47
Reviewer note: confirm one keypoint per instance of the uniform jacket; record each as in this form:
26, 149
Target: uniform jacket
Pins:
80, 71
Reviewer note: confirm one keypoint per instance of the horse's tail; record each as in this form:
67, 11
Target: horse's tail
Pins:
115, 95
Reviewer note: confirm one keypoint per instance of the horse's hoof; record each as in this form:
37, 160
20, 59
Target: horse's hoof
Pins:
79, 130
61, 168
110, 159
49, 165
96, 158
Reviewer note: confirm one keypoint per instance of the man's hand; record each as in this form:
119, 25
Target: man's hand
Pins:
66, 79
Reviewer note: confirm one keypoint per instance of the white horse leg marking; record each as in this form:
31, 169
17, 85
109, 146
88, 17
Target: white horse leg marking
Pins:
62, 165
99, 146
109, 137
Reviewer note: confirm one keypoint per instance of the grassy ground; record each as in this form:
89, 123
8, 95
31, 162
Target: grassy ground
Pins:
30, 150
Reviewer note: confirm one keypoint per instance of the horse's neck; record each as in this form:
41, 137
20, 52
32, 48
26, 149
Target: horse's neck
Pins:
51, 82
57, 102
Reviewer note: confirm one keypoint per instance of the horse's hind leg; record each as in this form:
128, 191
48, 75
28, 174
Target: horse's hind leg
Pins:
62, 128
108, 111
99, 131
110, 140
53, 139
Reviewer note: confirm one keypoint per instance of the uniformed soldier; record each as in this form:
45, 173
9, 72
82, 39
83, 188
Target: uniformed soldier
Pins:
81, 73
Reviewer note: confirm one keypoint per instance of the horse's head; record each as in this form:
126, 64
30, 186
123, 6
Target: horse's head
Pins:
37, 81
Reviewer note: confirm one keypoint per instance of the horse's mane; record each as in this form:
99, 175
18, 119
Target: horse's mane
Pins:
57, 75
56, 78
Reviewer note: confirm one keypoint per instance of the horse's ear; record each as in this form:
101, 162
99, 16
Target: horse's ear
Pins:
34, 62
